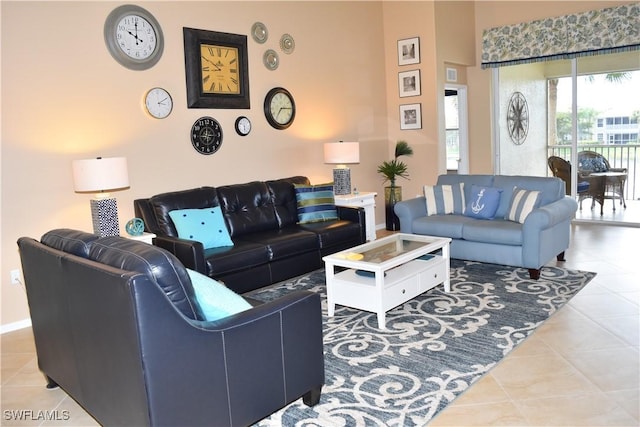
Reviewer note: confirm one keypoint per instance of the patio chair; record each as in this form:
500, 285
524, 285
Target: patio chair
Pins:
562, 169
595, 165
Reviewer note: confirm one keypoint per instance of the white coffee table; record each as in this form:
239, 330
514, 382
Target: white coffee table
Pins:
387, 272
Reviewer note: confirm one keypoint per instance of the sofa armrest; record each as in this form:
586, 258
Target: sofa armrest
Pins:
408, 210
189, 252
354, 214
549, 215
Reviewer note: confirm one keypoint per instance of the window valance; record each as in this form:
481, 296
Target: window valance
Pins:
609, 30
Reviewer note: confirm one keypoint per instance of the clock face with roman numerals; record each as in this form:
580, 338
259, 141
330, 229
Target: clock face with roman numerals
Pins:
220, 72
206, 135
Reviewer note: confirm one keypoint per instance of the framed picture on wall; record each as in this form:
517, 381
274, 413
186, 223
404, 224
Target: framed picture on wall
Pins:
409, 51
409, 83
411, 116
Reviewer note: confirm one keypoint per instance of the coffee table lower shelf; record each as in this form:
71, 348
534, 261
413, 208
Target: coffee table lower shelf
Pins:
383, 292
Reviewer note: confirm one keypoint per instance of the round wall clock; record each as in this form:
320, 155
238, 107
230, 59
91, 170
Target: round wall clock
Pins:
279, 108
518, 118
133, 37
158, 103
243, 126
206, 135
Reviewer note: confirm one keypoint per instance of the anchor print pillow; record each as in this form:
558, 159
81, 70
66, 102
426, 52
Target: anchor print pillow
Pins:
483, 202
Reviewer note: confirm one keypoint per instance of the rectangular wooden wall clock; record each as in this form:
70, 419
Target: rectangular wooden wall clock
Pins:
216, 68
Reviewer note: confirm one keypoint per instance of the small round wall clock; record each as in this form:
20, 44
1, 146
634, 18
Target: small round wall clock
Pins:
133, 37
279, 108
243, 126
206, 135
158, 103
518, 118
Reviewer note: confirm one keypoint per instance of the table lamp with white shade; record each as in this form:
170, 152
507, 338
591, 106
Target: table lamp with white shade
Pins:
101, 175
341, 154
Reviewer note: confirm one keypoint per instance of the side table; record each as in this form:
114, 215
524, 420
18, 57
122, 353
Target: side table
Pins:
144, 237
364, 200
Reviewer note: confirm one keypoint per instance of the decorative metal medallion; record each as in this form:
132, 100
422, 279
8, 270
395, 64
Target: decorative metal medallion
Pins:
518, 118
287, 44
259, 32
271, 59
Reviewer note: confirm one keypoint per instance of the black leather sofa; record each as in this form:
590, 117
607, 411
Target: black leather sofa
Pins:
262, 219
116, 326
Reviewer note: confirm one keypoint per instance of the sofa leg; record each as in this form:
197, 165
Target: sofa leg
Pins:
51, 384
560, 256
312, 397
534, 273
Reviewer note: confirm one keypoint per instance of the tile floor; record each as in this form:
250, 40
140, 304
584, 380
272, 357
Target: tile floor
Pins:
580, 368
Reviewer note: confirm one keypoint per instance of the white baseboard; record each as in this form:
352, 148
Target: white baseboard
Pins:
10, 327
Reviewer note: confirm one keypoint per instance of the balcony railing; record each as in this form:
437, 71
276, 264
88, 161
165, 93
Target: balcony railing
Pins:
619, 156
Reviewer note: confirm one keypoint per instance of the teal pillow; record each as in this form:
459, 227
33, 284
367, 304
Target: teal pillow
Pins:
483, 203
315, 203
216, 300
522, 203
204, 225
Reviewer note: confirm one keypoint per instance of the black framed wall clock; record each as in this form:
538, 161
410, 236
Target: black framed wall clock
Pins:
133, 37
279, 108
206, 135
518, 118
217, 69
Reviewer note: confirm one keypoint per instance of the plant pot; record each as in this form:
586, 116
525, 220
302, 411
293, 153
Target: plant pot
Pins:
392, 195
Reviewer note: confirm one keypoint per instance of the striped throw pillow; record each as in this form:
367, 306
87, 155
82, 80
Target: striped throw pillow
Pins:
315, 203
445, 199
522, 203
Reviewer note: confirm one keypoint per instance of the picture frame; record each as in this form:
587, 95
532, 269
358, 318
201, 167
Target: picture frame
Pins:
409, 83
217, 69
410, 116
409, 51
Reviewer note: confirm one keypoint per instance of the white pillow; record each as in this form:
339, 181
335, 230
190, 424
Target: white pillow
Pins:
444, 199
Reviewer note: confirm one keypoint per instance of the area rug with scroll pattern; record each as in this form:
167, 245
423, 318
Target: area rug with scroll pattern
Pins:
435, 345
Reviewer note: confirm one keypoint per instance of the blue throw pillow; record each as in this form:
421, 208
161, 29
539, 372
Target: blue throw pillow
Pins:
315, 203
444, 199
203, 225
522, 203
483, 202
216, 300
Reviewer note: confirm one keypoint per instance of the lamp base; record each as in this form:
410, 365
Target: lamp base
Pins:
341, 181
104, 214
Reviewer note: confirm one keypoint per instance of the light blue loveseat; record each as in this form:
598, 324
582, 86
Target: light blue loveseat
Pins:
543, 235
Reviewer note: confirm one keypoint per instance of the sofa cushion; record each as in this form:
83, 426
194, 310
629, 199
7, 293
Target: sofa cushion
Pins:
315, 203
445, 199
160, 265
285, 242
72, 241
248, 208
551, 189
162, 204
241, 256
284, 198
522, 203
483, 203
204, 225
441, 225
216, 300
467, 180
332, 233
498, 231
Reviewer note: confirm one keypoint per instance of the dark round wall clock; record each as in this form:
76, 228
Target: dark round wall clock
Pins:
206, 135
518, 118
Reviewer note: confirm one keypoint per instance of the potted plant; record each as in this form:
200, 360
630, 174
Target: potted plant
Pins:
390, 170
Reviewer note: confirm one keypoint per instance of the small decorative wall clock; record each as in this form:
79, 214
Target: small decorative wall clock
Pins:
206, 135
518, 118
217, 69
133, 37
243, 126
158, 103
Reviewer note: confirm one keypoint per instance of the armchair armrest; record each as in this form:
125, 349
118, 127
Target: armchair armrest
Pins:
408, 210
189, 252
618, 170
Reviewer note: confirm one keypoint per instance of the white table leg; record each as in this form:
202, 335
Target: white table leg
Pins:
447, 260
329, 277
